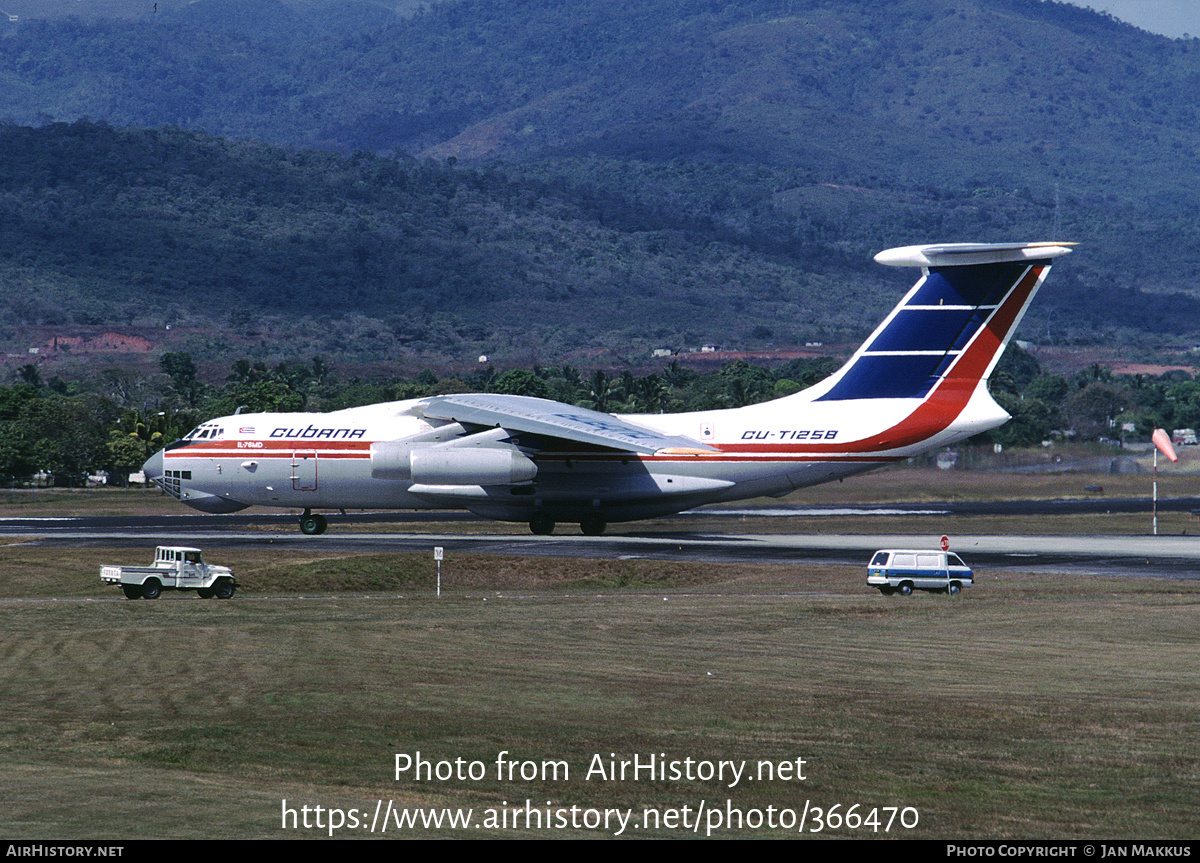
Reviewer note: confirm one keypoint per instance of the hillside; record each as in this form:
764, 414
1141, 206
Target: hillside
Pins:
369, 255
521, 177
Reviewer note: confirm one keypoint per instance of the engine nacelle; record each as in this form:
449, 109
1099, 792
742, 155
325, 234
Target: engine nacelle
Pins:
460, 465
448, 455
390, 459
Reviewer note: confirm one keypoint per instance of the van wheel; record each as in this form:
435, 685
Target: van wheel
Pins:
886, 591
954, 588
906, 589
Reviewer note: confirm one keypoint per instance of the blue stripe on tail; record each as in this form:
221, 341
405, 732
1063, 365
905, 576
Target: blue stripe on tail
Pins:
926, 334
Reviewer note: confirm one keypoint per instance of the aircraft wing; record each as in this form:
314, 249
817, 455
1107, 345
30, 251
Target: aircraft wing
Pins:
554, 419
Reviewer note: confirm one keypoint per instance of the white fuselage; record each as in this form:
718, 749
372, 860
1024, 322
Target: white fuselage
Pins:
918, 383
362, 458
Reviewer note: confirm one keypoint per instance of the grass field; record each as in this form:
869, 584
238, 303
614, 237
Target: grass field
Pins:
1032, 706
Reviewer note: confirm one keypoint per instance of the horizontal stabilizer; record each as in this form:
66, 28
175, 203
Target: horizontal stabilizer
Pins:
966, 254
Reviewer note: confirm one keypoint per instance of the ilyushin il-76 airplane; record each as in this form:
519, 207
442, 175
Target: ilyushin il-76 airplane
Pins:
919, 382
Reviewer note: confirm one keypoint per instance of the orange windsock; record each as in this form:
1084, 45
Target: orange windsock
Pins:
1162, 440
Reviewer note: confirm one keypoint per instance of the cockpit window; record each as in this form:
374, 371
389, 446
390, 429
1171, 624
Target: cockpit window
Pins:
204, 433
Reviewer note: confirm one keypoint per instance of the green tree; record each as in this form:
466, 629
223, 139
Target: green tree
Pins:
1051, 389
258, 397
127, 451
180, 368
520, 382
600, 392
1092, 410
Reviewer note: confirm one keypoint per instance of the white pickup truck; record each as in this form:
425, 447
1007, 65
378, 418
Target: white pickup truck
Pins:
174, 568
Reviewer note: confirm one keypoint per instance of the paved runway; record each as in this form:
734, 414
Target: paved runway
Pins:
1163, 556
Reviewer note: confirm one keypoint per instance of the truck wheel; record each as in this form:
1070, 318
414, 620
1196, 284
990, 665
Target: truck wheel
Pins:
132, 591
224, 589
151, 588
205, 592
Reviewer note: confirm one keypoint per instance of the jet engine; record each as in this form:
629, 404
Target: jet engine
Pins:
480, 459
470, 466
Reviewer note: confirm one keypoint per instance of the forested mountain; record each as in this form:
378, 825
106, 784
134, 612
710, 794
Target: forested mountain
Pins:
317, 253
571, 172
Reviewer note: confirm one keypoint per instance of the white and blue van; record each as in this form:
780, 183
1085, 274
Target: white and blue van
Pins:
905, 570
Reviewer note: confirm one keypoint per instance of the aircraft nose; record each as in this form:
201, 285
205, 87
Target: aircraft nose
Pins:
153, 468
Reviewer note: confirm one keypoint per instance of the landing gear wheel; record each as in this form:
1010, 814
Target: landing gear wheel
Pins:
542, 525
592, 525
313, 525
151, 588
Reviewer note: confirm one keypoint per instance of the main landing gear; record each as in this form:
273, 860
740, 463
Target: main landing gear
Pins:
312, 525
590, 525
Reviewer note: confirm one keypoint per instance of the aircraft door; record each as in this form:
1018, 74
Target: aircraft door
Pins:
304, 470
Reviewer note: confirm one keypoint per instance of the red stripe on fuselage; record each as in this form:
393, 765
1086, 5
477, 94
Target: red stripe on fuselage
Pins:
270, 449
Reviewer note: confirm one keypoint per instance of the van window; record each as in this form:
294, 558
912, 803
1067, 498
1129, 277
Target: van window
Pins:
955, 560
929, 561
904, 560
880, 559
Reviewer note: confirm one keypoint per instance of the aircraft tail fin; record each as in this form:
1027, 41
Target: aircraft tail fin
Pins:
948, 332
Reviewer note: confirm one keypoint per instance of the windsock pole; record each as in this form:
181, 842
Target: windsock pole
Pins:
1162, 441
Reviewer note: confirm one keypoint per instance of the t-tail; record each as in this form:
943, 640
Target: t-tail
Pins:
920, 380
